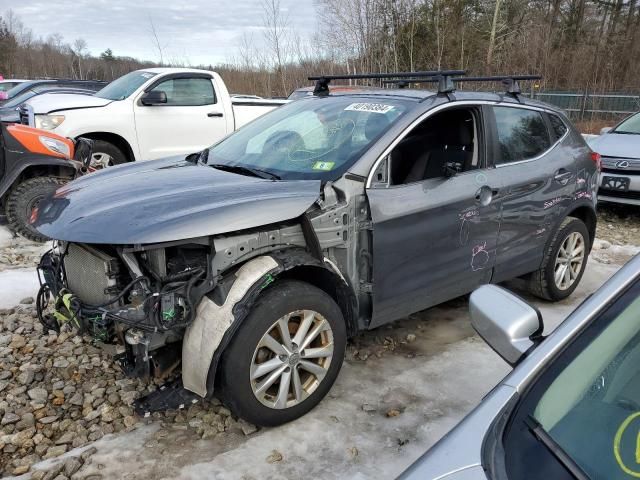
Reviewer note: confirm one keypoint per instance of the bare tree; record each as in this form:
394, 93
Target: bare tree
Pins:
276, 34
156, 40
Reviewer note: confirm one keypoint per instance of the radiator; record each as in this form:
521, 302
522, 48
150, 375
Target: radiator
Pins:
91, 275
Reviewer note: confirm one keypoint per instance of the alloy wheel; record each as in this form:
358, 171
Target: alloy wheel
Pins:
569, 260
291, 359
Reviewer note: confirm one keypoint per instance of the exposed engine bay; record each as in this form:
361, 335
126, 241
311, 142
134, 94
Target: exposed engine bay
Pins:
140, 299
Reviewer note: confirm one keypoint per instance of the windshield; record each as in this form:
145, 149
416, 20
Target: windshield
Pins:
592, 407
630, 125
124, 86
12, 92
314, 138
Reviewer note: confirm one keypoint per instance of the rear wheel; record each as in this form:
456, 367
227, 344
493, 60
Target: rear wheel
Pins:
23, 198
106, 154
286, 355
564, 262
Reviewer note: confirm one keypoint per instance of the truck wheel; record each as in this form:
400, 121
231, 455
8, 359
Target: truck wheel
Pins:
564, 262
23, 198
285, 356
106, 154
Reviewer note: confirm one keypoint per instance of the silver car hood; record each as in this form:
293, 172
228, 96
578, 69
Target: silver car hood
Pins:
617, 145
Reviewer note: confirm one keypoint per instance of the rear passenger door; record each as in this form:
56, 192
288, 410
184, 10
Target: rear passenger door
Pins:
538, 175
191, 120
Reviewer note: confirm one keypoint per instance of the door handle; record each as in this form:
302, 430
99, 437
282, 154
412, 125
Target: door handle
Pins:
215, 114
562, 176
485, 194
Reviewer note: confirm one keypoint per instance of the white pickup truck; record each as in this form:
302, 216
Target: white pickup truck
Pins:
147, 114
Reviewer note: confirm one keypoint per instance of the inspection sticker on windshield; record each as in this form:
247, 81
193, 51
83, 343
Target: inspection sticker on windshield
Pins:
370, 107
324, 166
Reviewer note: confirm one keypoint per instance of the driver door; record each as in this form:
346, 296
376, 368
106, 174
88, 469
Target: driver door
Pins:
433, 239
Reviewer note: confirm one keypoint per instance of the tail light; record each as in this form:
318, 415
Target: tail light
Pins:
597, 159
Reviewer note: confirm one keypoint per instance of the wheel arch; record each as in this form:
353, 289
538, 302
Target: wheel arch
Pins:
115, 139
294, 263
587, 214
37, 168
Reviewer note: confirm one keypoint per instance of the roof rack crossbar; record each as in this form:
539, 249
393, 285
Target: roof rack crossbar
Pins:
510, 82
443, 76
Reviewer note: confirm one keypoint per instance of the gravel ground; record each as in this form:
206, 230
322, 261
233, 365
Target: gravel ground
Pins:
618, 224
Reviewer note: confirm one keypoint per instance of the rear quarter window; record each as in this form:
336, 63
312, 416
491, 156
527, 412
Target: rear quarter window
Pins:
558, 127
522, 134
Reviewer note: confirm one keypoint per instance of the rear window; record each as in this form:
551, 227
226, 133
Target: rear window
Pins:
522, 134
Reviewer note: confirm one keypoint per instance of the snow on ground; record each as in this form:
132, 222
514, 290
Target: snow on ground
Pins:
432, 382
16, 285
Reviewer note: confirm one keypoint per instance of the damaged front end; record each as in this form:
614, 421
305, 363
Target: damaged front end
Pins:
141, 299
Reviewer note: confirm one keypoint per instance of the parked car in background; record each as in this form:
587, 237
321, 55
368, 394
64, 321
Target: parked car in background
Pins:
33, 164
252, 261
10, 110
147, 114
571, 407
244, 96
6, 85
620, 150
93, 85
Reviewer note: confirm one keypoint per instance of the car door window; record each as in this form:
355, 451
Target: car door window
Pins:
188, 91
558, 127
447, 139
522, 134
589, 405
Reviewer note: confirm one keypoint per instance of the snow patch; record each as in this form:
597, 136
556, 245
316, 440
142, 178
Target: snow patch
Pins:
16, 285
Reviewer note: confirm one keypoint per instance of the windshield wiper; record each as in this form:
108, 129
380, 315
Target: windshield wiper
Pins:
254, 172
623, 132
556, 450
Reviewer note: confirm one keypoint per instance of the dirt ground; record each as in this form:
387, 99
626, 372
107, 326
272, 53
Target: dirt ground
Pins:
618, 224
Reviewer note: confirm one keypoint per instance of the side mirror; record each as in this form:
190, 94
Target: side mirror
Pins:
452, 168
605, 130
154, 97
506, 322
84, 151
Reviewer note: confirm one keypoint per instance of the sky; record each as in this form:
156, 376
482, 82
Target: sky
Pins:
196, 31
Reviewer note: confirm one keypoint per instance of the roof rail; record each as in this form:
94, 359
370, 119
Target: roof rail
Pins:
443, 77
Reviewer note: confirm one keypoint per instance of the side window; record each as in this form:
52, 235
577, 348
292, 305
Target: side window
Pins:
522, 133
558, 127
446, 140
188, 91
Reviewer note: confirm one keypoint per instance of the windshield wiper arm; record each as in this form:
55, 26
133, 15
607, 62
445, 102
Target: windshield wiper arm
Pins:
556, 450
254, 172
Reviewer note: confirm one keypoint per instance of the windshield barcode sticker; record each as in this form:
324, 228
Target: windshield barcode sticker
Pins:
370, 107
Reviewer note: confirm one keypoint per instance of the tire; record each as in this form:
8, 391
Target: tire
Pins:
542, 283
106, 154
21, 200
243, 356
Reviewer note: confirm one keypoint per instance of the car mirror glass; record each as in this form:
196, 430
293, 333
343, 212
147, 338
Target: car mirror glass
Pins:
154, 97
505, 321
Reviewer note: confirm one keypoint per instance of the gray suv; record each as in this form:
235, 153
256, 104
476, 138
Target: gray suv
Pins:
249, 264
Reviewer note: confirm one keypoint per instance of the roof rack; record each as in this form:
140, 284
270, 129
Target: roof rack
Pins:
510, 82
443, 77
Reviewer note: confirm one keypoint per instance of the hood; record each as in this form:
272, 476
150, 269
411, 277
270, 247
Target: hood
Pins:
53, 102
617, 145
166, 200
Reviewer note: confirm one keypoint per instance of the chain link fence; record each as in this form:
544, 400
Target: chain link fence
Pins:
583, 106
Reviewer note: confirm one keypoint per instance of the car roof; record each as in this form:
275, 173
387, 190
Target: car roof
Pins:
419, 94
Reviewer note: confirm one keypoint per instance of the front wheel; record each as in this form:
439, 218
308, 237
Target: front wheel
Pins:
564, 262
285, 356
23, 198
105, 155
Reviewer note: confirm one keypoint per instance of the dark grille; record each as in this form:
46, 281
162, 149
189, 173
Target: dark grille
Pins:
24, 116
626, 173
619, 194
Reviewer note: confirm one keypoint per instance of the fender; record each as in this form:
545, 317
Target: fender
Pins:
215, 324
24, 161
205, 334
